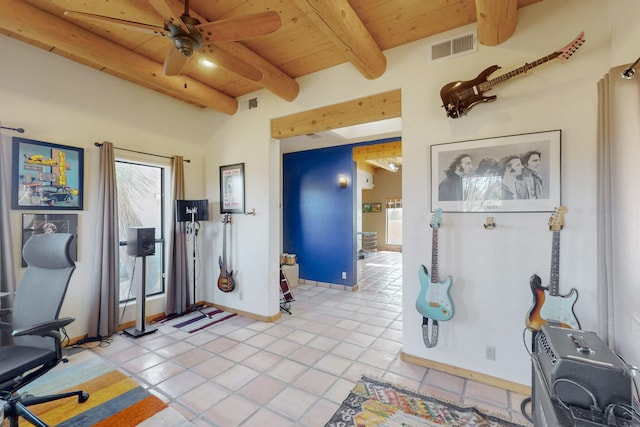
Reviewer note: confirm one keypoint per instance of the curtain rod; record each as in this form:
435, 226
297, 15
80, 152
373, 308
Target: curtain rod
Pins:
19, 130
99, 144
629, 72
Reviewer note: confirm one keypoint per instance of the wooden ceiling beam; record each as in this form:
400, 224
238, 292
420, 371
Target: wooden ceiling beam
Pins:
33, 24
383, 106
496, 20
340, 24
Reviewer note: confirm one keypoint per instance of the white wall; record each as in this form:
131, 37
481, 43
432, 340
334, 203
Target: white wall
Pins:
490, 269
70, 104
59, 101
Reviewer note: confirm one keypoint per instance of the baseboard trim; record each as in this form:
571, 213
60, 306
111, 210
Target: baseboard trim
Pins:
465, 373
261, 318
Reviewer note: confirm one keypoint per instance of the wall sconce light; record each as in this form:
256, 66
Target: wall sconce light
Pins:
342, 179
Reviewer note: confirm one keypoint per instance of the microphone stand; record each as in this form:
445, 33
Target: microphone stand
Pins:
194, 226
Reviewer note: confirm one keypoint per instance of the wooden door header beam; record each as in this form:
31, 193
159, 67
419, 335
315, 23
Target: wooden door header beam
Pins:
373, 108
378, 151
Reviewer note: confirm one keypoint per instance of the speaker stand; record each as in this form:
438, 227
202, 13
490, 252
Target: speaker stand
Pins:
141, 327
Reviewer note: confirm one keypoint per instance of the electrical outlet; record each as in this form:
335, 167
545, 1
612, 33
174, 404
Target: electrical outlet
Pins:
490, 352
344, 275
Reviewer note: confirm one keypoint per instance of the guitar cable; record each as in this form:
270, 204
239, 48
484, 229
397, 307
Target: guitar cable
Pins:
527, 400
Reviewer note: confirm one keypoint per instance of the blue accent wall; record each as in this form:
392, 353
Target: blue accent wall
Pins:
318, 215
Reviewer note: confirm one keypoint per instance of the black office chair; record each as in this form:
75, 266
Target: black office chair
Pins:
36, 347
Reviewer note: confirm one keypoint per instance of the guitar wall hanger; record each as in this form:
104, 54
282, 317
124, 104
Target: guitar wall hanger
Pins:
461, 96
489, 224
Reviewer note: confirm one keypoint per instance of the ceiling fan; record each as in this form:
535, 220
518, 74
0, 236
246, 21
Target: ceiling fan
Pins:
189, 35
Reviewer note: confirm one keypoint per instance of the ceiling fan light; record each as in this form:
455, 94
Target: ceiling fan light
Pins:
207, 63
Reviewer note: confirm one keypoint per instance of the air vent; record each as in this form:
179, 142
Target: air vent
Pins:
454, 47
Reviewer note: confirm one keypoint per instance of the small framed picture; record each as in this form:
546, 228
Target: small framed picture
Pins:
515, 173
232, 188
46, 176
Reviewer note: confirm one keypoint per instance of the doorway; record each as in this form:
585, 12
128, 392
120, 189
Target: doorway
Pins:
349, 123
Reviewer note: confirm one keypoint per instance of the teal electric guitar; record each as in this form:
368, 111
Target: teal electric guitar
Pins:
433, 300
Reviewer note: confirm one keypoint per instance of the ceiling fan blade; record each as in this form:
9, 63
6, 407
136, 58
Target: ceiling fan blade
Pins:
174, 62
127, 25
170, 11
230, 62
241, 27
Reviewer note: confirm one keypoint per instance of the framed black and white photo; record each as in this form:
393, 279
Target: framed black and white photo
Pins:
232, 188
514, 173
45, 223
46, 176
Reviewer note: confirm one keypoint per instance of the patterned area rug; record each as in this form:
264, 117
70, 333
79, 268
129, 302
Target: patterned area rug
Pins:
115, 399
375, 403
199, 319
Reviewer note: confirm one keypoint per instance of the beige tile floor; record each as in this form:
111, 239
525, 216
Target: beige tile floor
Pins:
295, 371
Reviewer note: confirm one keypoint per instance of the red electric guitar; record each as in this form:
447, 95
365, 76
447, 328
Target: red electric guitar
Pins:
548, 305
226, 283
459, 97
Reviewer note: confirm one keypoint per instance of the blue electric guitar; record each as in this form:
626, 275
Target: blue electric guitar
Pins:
548, 305
433, 300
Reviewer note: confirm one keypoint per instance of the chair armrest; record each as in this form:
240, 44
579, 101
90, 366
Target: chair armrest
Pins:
44, 328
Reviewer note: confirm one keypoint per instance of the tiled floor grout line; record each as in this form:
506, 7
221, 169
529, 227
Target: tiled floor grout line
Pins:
295, 371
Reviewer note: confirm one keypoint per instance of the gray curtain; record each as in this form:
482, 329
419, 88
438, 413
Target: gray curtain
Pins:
178, 277
104, 313
618, 207
7, 275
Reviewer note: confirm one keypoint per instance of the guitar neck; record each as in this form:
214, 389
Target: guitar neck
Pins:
484, 86
554, 279
434, 257
224, 245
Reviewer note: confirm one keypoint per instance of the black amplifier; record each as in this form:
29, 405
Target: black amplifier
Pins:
579, 369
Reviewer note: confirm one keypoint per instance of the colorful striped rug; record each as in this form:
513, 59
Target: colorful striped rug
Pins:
199, 319
115, 399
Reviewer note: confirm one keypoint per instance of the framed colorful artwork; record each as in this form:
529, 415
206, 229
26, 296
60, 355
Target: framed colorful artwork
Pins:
46, 176
232, 188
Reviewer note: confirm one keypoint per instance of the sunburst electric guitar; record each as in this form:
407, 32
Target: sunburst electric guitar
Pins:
459, 97
549, 307
226, 283
433, 300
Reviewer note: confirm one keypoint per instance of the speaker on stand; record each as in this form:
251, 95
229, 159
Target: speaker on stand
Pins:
192, 212
141, 243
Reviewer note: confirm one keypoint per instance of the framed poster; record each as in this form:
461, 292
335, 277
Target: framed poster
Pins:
46, 176
232, 188
515, 173
51, 223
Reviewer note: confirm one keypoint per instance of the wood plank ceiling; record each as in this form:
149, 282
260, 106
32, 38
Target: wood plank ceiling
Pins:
314, 35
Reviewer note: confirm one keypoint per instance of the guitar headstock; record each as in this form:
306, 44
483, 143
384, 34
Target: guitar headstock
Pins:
556, 222
435, 221
226, 218
568, 50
